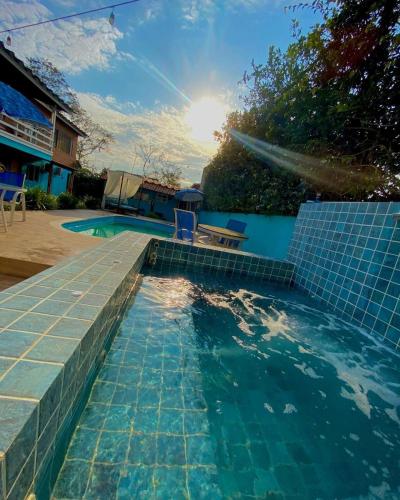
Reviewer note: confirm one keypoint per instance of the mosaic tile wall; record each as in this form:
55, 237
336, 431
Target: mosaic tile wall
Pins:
348, 256
53, 331
225, 261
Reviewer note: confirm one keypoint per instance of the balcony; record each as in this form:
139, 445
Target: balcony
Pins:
28, 135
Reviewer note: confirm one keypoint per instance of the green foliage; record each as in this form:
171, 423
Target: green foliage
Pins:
67, 201
88, 184
92, 203
153, 215
37, 199
326, 113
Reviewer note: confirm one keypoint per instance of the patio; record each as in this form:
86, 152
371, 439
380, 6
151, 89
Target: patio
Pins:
41, 239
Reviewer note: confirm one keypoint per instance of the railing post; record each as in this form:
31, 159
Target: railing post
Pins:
53, 133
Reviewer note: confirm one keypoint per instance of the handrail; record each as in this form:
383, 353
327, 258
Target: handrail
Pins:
22, 131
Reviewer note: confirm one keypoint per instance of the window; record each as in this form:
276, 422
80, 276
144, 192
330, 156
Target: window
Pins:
56, 171
162, 198
32, 173
63, 141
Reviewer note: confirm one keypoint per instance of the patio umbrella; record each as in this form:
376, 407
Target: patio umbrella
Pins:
189, 196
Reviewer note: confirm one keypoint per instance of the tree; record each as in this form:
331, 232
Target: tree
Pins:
156, 164
148, 154
54, 79
167, 172
324, 112
97, 138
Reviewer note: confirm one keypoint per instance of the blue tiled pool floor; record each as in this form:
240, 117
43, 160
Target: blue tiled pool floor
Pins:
144, 432
217, 390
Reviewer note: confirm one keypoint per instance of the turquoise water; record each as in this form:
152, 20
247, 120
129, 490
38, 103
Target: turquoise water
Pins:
112, 229
215, 389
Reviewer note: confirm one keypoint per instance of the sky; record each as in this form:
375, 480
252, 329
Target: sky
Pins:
165, 74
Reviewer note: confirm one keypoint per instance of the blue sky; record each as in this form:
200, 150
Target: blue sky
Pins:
140, 77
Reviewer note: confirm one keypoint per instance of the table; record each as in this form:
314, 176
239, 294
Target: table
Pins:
17, 190
217, 233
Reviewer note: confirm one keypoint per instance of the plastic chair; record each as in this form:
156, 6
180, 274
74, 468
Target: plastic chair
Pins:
12, 198
234, 225
185, 227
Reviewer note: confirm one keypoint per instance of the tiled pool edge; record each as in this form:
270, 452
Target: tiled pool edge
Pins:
112, 269
44, 383
222, 260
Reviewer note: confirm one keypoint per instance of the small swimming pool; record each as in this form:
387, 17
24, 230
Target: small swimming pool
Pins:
108, 227
217, 389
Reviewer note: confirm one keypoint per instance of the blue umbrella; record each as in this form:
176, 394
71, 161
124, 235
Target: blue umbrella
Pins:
14, 104
190, 195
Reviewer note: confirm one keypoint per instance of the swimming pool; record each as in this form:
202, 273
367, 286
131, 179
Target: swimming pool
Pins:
108, 227
219, 389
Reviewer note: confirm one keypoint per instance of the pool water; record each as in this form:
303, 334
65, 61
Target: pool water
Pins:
112, 229
215, 388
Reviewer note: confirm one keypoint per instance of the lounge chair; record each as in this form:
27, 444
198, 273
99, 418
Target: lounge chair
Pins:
234, 225
12, 197
185, 227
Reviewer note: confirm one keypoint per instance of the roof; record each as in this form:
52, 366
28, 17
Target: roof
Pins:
9, 56
158, 187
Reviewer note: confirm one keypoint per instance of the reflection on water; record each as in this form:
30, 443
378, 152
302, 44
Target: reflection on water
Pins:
299, 401
110, 230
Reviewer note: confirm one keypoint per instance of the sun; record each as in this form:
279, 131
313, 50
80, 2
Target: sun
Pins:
204, 117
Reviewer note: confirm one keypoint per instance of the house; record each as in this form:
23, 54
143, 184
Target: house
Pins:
35, 137
133, 193
155, 198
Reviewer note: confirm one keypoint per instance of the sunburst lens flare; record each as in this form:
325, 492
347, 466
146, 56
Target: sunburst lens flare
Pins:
204, 117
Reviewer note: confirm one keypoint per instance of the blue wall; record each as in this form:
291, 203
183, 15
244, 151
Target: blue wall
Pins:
268, 235
59, 183
348, 256
164, 208
42, 182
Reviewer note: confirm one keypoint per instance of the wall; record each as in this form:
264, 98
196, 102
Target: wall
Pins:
59, 156
347, 255
42, 182
268, 235
164, 208
59, 183
198, 258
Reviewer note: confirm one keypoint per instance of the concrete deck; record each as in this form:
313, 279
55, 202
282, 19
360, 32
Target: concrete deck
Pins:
41, 238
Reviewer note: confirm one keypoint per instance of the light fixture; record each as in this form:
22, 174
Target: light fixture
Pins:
8, 40
111, 19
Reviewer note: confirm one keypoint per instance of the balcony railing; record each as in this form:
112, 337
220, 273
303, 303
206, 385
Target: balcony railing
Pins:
40, 138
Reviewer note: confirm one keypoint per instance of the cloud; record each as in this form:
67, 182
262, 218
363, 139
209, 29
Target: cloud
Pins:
193, 11
164, 127
73, 46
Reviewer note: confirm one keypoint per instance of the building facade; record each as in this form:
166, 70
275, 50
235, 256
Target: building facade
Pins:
154, 198
43, 145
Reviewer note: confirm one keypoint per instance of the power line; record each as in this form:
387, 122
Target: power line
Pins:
69, 16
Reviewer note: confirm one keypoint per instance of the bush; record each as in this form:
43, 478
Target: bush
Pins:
153, 215
51, 202
88, 184
67, 201
92, 203
37, 199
